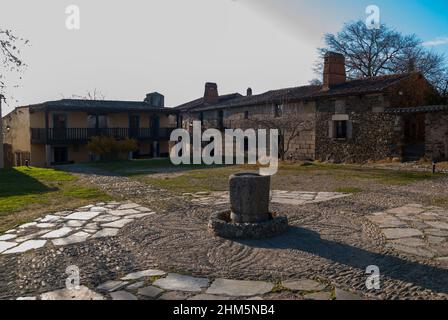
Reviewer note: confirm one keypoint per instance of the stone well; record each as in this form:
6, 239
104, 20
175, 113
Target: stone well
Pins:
249, 216
249, 197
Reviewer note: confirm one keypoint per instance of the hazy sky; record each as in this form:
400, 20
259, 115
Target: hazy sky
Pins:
129, 48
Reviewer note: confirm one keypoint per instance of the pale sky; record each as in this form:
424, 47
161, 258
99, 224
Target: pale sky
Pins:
129, 48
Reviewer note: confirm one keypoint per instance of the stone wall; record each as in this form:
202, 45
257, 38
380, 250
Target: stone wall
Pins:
436, 136
371, 133
301, 147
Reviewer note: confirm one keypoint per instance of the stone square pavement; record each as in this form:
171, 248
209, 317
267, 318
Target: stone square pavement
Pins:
70, 227
294, 198
153, 284
415, 230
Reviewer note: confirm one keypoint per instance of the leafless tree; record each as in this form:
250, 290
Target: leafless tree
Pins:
90, 95
441, 84
290, 126
382, 51
315, 82
10, 61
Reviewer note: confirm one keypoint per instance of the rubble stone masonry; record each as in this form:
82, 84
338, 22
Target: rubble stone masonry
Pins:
436, 138
371, 135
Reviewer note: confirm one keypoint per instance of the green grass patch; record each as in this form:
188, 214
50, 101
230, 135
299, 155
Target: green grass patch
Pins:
197, 179
343, 172
83, 193
213, 179
27, 193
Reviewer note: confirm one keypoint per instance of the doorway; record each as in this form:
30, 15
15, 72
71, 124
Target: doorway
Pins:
414, 137
60, 155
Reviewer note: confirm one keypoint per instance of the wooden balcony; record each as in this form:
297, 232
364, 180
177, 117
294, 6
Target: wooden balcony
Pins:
83, 135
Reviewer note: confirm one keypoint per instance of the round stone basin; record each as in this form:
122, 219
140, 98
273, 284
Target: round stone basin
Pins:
221, 225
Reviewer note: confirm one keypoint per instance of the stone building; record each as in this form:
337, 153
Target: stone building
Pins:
396, 116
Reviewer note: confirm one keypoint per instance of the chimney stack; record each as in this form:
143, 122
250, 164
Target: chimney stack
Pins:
211, 93
249, 92
334, 70
155, 99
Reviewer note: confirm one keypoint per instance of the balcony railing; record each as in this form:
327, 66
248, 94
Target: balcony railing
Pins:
83, 135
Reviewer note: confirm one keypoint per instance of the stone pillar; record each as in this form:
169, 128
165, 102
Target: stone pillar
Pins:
48, 156
249, 197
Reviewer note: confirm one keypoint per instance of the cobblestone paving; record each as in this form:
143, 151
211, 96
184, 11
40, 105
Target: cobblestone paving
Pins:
156, 284
70, 227
331, 242
277, 196
415, 230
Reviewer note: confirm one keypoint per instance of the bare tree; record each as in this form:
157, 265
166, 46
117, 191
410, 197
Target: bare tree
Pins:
315, 82
441, 83
382, 51
290, 126
10, 61
90, 95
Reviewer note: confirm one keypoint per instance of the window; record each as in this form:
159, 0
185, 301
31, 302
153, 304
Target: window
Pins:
91, 121
102, 121
59, 121
278, 110
340, 129
97, 121
246, 115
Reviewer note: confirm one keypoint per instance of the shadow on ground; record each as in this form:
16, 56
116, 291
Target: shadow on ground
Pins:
16, 183
305, 240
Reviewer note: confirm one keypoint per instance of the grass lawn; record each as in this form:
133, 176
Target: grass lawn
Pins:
385, 176
27, 193
184, 179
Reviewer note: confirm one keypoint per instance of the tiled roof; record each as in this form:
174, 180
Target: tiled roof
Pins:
364, 86
423, 109
200, 102
99, 105
311, 92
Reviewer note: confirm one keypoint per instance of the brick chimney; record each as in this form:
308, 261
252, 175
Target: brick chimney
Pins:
334, 70
211, 93
249, 92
